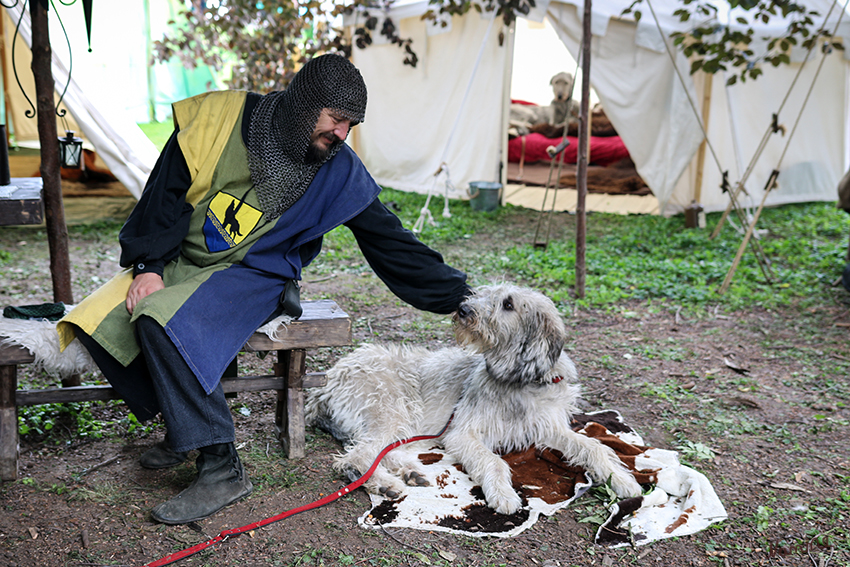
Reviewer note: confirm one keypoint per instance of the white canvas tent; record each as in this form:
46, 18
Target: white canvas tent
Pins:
107, 94
412, 112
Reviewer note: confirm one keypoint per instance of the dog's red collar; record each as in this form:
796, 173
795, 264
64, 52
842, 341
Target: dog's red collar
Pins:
557, 379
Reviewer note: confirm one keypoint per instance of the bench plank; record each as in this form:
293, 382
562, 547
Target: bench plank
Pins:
102, 393
322, 324
14, 354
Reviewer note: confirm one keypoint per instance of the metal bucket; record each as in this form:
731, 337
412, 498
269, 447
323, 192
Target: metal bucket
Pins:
484, 196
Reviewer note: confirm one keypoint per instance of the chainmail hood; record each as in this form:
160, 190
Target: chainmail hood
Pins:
283, 121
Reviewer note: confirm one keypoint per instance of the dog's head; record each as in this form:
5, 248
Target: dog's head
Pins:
561, 83
518, 330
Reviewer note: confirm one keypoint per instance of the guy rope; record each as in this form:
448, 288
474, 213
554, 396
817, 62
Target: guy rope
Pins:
425, 212
771, 182
773, 128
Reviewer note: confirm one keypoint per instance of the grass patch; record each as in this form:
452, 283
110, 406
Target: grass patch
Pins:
657, 259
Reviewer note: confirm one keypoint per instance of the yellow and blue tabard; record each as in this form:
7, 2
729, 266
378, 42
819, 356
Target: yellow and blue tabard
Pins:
233, 263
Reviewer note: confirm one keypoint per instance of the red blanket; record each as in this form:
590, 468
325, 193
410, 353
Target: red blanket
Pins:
603, 150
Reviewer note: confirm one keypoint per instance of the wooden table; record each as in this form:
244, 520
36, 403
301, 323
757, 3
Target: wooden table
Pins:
323, 324
21, 201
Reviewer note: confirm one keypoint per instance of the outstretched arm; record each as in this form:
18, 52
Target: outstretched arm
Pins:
414, 272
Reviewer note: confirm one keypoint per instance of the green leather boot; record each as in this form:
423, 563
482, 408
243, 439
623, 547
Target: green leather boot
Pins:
221, 481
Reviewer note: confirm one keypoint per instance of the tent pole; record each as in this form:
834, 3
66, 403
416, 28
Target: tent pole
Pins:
506, 108
706, 110
54, 212
581, 169
151, 79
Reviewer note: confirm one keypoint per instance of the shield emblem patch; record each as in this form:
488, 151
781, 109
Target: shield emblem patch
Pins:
229, 220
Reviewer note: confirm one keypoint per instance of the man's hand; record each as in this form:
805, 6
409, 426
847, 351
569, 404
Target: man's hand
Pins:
143, 285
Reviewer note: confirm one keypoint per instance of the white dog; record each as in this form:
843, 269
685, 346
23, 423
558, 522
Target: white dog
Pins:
509, 388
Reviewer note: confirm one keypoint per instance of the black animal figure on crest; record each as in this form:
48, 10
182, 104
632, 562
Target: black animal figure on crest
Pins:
230, 219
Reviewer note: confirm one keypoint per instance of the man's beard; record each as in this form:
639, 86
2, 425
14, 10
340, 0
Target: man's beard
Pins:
317, 154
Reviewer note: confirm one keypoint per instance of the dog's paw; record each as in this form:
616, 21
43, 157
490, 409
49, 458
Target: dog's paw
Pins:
625, 485
388, 492
385, 484
504, 501
415, 478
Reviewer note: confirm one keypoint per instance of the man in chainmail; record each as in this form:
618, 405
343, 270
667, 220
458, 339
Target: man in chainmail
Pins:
235, 207
282, 155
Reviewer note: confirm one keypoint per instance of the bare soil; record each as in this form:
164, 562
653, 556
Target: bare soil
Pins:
766, 390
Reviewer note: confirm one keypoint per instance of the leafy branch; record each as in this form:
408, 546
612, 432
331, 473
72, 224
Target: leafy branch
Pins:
712, 47
259, 44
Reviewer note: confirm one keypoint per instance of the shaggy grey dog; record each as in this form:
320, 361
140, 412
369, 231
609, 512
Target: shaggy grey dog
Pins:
564, 107
511, 386
523, 118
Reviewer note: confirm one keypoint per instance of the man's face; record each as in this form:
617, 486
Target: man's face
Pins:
330, 127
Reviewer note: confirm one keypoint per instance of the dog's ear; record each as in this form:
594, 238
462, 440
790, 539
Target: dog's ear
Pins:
534, 348
551, 336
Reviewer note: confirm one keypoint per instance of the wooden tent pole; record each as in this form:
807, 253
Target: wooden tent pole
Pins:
706, 111
54, 212
581, 168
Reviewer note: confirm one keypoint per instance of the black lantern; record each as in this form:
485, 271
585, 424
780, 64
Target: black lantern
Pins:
70, 150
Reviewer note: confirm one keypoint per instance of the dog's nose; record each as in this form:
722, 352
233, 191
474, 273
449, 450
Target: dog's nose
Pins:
464, 311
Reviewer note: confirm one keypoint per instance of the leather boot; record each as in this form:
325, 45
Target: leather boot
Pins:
162, 456
221, 481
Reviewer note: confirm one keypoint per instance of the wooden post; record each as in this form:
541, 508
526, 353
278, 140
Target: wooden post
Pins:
54, 211
289, 415
8, 422
5, 76
583, 143
706, 111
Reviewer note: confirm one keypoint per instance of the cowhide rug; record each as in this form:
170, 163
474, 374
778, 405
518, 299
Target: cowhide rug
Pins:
681, 502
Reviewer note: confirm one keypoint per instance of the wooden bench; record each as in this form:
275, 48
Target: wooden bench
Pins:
323, 324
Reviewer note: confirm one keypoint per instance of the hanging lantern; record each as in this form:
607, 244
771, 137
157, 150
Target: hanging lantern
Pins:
70, 150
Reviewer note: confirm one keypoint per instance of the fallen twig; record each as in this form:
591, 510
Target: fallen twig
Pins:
101, 465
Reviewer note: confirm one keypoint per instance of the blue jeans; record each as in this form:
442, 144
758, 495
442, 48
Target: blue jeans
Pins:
160, 381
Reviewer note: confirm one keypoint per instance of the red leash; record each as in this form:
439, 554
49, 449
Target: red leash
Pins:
227, 534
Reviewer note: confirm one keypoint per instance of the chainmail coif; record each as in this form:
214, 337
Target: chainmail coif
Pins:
283, 121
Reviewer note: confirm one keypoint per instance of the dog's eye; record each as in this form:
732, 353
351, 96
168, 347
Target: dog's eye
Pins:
508, 304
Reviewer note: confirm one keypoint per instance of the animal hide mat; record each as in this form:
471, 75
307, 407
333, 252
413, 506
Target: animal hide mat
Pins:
682, 501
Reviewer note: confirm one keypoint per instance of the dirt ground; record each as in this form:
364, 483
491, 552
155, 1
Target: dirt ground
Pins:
767, 392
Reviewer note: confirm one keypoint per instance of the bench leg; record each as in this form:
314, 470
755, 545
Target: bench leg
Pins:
289, 416
8, 423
